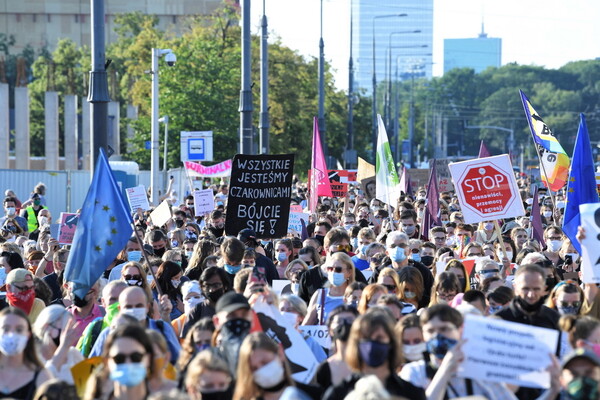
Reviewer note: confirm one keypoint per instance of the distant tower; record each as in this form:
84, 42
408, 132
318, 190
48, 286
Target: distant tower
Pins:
478, 53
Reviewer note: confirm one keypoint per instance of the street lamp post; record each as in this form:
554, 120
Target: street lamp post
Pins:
165, 121
321, 118
154, 139
246, 108
374, 105
263, 125
350, 122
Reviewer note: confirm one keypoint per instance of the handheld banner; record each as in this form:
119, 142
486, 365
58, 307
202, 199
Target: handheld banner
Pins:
161, 214
259, 195
137, 198
204, 201
67, 225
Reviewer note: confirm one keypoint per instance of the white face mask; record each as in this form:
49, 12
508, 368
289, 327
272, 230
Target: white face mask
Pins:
138, 313
290, 317
189, 304
414, 352
554, 245
270, 374
13, 343
509, 255
547, 214
10, 211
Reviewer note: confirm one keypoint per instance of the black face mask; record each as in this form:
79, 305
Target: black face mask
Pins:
235, 328
160, 252
80, 302
529, 308
215, 296
222, 394
427, 260
342, 331
462, 282
179, 223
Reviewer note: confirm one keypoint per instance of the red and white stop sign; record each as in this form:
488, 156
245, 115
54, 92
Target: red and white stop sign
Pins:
487, 189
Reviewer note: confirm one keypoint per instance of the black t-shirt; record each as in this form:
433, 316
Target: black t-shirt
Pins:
395, 385
52, 281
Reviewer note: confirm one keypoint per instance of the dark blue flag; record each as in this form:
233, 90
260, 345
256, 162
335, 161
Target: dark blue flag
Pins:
581, 185
102, 231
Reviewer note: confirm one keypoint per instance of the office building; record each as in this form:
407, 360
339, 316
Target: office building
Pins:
478, 53
376, 23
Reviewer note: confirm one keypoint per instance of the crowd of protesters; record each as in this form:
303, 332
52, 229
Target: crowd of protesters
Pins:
173, 317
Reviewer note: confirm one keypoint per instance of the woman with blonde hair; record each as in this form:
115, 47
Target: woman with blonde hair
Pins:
369, 296
340, 274
566, 298
388, 277
263, 371
208, 377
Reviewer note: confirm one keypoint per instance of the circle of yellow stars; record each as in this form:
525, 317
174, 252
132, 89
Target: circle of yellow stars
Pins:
112, 219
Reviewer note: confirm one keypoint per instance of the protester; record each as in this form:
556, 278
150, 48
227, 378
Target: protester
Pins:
20, 293
192, 296
409, 330
208, 377
168, 279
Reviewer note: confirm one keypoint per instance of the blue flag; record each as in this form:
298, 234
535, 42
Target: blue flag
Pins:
581, 186
102, 231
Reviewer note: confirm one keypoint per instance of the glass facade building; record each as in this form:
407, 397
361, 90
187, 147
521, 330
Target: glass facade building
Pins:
477, 53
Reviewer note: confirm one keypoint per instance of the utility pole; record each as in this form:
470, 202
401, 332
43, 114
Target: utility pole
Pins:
246, 107
321, 118
263, 125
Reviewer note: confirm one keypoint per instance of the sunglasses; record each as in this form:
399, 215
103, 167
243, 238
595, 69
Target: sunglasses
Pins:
575, 304
415, 251
23, 288
335, 269
135, 357
390, 288
132, 277
341, 247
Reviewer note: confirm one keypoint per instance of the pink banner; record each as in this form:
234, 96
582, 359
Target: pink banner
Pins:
219, 170
320, 185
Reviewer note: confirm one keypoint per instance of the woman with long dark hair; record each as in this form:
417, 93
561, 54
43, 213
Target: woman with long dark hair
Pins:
168, 278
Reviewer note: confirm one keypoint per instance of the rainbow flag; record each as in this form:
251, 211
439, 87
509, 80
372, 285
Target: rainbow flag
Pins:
553, 158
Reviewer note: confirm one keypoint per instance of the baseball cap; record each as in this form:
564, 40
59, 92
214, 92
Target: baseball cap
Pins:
581, 353
246, 235
18, 275
230, 302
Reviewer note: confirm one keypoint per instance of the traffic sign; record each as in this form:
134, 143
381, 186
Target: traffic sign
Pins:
196, 146
487, 189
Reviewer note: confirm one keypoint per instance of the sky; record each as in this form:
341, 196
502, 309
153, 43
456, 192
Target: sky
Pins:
547, 33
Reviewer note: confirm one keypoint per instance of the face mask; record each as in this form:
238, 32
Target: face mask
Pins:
237, 328
179, 223
80, 302
569, 310
547, 214
494, 309
128, 374
138, 313
574, 256
582, 388
462, 283
354, 243
10, 211
217, 395
410, 295
373, 353
134, 256
175, 243
445, 222
160, 252
43, 221
134, 282
189, 304
214, 296
270, 374
409, 230
189, 254
439, 345
397, 254
414, 352
529, 308
336, 278
500, 255
416, 257
37, 202
342, 331
281, 257
231, 269
175, 283
427, 260
23, 300
363, 249
290, 317
488, 226
295, 288
12, 343
348, 226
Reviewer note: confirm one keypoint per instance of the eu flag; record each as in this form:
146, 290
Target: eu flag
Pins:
581, 187
102, 231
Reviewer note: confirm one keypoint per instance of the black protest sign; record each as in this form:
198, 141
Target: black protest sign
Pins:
259, 194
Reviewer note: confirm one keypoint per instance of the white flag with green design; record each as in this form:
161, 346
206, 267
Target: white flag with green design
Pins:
386, 176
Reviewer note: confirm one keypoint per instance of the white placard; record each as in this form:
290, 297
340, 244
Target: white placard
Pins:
204, 201
590, 250
137, 198
507, 352
294, 224
319, 333
487, 189
279, 284
161, 214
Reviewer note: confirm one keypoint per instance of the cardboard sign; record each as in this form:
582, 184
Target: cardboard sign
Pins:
508, 352
590, 249
319, 333
82, 371
339, 189
342, 176
300, 357
67, 226
204, 201
443, 174
259, 195
161, 214
294, 224
295, 208
368, 187
487, 189
137, 198
365, 170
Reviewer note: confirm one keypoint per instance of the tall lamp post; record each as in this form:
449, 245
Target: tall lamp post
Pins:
246, 108
374, 105
321, 118
349, 155
165, 120
263, 125
154, 139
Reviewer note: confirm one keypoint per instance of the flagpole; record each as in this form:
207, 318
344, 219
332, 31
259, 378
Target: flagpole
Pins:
547, 182
141, 244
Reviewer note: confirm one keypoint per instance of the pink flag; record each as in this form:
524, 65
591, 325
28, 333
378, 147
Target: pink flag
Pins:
431, 217
319, 179
404, 181
483, 150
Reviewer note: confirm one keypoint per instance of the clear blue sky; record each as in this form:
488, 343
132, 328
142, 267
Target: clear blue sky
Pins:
548, 33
